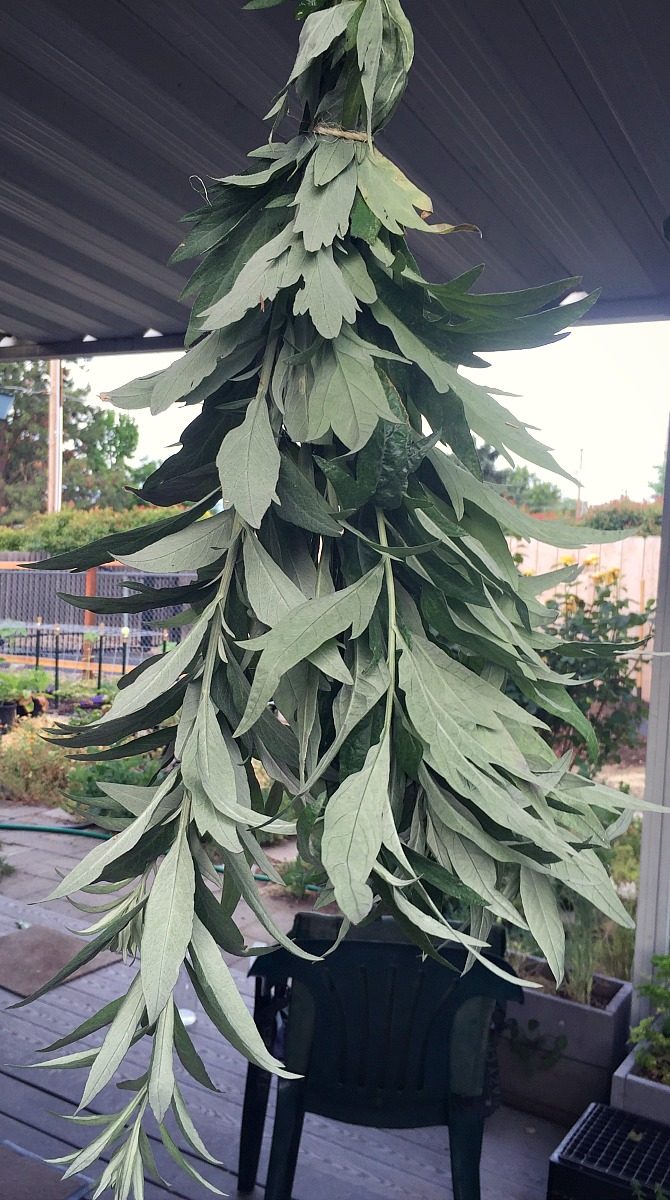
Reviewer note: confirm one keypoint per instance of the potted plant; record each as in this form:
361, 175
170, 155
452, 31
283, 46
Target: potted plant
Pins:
560, 1047
32, 685
9, 698
641, 1084
354, 610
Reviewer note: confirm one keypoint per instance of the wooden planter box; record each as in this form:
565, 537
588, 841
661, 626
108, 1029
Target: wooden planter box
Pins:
595, 1044
635, 1094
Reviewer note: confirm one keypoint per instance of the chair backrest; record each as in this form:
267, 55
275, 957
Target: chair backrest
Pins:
383, 1036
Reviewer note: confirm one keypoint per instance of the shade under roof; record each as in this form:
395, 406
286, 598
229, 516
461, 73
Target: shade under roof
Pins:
546, 124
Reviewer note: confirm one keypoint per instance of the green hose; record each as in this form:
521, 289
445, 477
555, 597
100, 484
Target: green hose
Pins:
76, 831
73, 830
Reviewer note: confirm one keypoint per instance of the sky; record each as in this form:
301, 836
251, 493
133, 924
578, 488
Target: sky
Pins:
600, 395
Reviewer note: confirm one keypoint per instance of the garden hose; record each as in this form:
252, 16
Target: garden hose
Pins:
76, 831
71, 829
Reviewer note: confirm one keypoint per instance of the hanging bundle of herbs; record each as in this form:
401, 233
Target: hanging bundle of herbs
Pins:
355, 610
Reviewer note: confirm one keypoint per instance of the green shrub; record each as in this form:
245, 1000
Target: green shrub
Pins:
84, 797
31, 770
73, 527
15, 685
10, 538
9, 687
607, 692
645, 515
298, 876
652, 1035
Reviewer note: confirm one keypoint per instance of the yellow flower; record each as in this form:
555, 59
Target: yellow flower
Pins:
567, 560
570, 605
591, 561
606, 578
528, 571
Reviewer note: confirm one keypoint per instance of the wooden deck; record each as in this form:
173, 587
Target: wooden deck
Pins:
337, 1162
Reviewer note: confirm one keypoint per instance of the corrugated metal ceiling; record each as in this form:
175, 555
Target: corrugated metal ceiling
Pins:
545, 123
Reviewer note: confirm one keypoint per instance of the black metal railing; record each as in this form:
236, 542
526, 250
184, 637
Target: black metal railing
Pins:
97, 652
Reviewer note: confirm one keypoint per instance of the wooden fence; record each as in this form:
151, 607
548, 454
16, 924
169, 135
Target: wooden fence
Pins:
636, 559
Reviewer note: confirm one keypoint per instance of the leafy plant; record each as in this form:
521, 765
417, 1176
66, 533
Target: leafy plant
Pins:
639, 1192
525, 488
355, 607
53, 532
616, 948
14, 685
586, 632
657, 485
652, 1035
581, 951
97, 445
31, 771
642, 516
298, 877
22, 685
33, 679
9, 687
85, 798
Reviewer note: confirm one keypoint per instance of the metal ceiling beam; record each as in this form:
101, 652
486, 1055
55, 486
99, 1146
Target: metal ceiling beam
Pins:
77, 348
542, 124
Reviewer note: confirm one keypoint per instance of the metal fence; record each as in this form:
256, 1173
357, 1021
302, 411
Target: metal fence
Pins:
96, 654
26, 595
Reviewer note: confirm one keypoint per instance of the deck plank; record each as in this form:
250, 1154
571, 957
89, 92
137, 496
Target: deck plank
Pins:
337, 1162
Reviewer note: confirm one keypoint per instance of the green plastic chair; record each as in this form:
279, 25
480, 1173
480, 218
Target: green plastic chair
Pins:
381, 1038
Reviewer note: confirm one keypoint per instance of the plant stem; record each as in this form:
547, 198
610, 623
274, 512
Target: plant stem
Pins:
222, 596
392, 630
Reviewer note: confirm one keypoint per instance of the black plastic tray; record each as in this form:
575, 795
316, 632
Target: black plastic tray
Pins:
607, 1155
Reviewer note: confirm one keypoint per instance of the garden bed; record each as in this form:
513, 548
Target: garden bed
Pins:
635, 1094
556, 1055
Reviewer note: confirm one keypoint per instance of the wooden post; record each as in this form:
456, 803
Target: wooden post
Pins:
55, 456
653, 907
90, 589
101, 650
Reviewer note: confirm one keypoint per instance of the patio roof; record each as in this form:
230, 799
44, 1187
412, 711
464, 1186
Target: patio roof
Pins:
544, 124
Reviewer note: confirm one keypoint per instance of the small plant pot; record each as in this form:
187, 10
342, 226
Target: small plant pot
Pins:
635, 1094
568, 1056
8, 711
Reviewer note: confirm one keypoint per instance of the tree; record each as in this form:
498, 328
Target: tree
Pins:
657, 485
97, 445
519, 485
528, 491
358, 583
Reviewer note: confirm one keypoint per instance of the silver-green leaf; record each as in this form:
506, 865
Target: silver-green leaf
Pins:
168, 922
353, 832
248, 464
